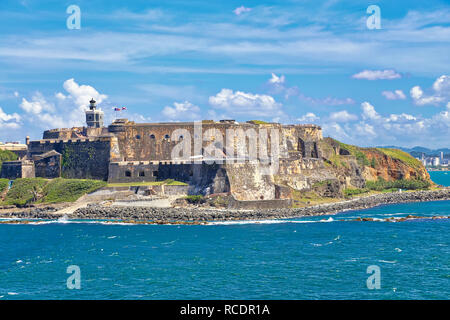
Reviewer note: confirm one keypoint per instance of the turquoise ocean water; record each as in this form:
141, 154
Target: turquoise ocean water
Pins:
308, 258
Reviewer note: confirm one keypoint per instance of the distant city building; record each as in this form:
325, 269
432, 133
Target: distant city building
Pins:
18, 148
435, 161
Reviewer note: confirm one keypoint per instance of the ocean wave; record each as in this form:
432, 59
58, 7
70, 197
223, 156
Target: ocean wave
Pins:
387, 261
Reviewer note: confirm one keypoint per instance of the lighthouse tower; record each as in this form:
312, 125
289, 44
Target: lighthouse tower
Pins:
94, 117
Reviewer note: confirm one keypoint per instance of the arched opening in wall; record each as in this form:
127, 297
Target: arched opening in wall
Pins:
152, 136
180, 138
166, 137
127, 173
261, 198
138, 136
191, 173
155, 173
301, 147
141, 174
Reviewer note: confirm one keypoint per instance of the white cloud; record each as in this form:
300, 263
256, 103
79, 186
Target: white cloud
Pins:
308, 118
369, 111
82, 94
393, 129
365, 129
321, 43
342, 116
240, 10
4, 117
400, 118
328, 101
182, 111
241, 103
36, 105
276, 79
9, 121
394, 95
62, 110
377, 75
440, 92
277, 86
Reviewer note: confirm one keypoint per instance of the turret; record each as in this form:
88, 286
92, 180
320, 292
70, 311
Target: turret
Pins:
94, 117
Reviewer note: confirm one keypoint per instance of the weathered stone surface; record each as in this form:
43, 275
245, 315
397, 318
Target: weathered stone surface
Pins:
131, 152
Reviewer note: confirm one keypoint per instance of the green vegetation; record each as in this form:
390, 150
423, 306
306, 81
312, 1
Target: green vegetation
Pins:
171, 182
69, 190
356, 152
26, 190
258, 122
3, 184
373, 163
168, 182
195, 199
38, 190
402, 156
322, 183
6, 155
349, 192
383, 185
362, 159
306, 198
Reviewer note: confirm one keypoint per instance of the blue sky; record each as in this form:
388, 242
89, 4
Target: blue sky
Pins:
290, 62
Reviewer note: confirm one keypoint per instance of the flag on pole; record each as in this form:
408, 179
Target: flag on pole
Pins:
117, 109
124, 108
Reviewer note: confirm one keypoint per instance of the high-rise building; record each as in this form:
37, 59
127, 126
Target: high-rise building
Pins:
435, 161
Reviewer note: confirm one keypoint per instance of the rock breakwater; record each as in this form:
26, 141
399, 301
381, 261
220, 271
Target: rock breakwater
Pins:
171, 215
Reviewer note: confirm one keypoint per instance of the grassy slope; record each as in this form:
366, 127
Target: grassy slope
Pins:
380, 185
25, 191
69, 190
358, 152
3, 184
402, 156
39, 190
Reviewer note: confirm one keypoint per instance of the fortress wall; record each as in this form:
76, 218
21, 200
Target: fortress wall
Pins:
202, 177
49, 167
17, 169
248, 183
131, 172
81, 158
155, 142
87, 159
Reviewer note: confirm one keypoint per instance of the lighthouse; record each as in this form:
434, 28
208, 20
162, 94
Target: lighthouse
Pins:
94, 117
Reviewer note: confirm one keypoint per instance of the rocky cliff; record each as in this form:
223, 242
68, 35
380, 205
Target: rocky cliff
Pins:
341, 169
371, 164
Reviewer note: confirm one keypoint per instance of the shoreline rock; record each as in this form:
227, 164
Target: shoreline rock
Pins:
198, 215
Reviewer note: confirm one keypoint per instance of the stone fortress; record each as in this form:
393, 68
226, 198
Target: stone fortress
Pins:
126, 151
